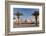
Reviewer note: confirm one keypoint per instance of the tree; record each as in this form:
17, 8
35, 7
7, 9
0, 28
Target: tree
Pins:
36, 14
18, 14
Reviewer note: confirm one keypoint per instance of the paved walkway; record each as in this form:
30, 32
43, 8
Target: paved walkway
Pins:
24, 25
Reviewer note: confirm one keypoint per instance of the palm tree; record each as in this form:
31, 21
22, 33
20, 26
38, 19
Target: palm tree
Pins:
36, 13
18, 14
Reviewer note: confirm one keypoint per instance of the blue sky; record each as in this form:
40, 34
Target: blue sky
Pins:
27, 12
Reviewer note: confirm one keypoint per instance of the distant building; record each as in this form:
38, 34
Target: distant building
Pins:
30, 19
